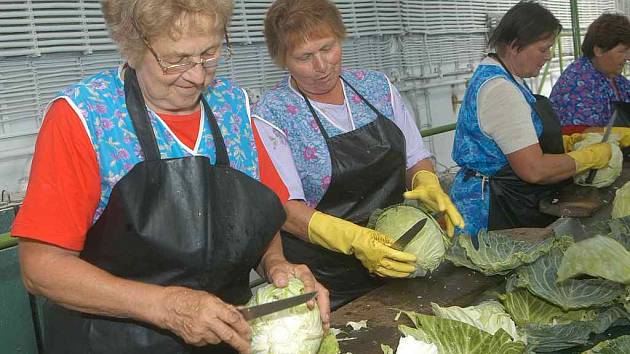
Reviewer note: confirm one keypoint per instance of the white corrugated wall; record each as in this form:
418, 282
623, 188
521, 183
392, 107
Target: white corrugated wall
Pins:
427, 47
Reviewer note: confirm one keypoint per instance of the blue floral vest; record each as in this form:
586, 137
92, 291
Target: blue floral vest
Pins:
100, 101
285, 108
474, 150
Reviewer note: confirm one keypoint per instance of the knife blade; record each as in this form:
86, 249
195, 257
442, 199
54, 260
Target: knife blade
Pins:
592, 173
404, 240
256, 311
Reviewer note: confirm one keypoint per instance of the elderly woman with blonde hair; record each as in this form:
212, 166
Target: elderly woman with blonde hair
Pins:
345, 145
151, 197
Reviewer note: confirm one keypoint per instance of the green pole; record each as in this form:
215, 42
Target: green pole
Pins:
437, 130
559, 44
575, 27
546, 71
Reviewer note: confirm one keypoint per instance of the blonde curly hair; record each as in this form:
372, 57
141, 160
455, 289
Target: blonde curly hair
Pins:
129, 21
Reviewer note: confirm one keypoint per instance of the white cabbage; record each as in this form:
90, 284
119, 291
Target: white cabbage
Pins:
410, 345
607, 175
296, 330
429, 245
621, 204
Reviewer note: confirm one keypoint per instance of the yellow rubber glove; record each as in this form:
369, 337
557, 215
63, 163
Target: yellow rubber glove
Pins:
624, 135
426, 188
367, 245
569, 140
593, 156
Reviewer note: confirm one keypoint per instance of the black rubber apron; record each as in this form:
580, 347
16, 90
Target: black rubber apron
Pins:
514, 202
368, 172
178, 221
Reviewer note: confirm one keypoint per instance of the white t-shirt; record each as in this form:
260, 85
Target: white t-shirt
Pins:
504, 114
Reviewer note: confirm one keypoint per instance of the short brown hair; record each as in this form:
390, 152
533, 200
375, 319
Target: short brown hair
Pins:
525, 23
131, 20
290, 23
606, 32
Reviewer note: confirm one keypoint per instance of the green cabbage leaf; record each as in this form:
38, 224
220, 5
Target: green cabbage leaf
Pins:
329, 344
621, 203
296, 330
598, 256
541, 279
429, 245
455, 337
607, 175
488, 316
499, 253
619, 345
549, 328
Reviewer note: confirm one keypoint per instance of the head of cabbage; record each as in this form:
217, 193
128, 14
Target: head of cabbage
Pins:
621, 204
296, 330
607, 175
429, 245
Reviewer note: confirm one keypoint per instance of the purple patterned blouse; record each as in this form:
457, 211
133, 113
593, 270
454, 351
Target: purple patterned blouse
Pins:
582, 95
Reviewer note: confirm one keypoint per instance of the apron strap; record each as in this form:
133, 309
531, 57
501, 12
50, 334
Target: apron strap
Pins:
137, 108
140, 117
378, 113
316, 116
222, 158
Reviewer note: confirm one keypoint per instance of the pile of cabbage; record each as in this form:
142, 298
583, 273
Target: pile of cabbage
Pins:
296, 330
607, 175
559, 292
429, 245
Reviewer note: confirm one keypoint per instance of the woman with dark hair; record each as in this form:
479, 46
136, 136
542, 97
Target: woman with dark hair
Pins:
507, 140
583, 95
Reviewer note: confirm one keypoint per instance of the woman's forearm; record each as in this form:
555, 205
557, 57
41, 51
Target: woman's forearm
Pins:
533, 166
298, 216
64, 278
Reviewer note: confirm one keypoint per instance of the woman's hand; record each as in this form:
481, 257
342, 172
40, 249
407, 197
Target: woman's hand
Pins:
201, 318
279, 271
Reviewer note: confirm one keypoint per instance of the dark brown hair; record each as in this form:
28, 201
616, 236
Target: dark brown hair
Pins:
525, 23
606, 32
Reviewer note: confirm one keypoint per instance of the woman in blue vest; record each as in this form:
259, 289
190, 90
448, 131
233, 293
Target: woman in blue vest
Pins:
508, 140
345, 145
145, 211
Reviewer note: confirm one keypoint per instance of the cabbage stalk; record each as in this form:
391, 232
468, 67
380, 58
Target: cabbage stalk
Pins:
296, 330
607, 175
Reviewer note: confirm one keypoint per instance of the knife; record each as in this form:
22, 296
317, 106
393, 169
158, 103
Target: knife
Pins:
404, 240
253, 312
592, 173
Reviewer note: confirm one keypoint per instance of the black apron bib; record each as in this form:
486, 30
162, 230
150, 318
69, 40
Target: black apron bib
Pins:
514, 202
176, 221
368, 172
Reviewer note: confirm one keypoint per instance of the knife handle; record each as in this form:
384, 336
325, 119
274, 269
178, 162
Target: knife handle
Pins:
591, 176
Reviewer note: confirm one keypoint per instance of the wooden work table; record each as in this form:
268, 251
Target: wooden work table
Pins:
447, 286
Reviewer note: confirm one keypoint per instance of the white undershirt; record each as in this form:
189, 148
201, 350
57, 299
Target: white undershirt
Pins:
504, 114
